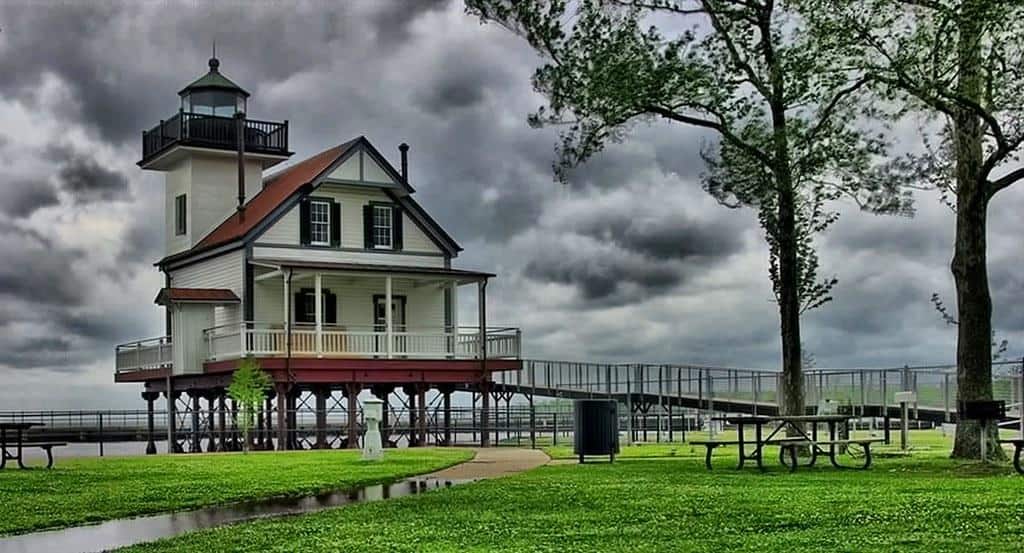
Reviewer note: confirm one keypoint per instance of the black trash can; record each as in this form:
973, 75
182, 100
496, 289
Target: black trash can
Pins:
596, 428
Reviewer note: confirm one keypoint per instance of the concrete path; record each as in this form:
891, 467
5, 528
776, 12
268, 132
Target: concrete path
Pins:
494, 462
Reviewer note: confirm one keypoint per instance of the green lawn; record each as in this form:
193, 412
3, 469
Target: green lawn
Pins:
923, 502
86, 490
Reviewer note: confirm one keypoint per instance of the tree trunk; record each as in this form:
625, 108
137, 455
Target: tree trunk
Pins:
969, 266
786, 238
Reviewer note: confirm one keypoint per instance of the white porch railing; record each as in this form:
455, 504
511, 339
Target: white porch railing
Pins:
152, 353
261, 339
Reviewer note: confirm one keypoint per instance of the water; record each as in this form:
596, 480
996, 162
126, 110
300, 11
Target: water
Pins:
125, 532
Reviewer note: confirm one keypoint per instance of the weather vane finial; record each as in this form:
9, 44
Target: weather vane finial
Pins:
214, 47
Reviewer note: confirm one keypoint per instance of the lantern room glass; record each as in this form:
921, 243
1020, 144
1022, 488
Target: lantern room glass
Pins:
220, 103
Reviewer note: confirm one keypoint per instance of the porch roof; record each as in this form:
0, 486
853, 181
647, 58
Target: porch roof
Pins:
195, 295
373, 268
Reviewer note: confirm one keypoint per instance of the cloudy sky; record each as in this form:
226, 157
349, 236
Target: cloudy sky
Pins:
630, 261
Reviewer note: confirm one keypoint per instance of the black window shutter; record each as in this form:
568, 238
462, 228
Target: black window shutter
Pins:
300, 306
304, 222
396, 227
335, 224
368, 226
330, 308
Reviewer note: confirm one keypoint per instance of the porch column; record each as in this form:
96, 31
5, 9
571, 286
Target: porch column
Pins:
388, 331
453, 298
282, 415
482, 306
321, 414
352, 392
286, 277
485, 403
319, 315
293, 418
150, 397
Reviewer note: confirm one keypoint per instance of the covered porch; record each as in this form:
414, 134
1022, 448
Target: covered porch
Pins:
339, 310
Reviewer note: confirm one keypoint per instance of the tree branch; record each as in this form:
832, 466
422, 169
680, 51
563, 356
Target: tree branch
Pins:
714, 125
1005, 181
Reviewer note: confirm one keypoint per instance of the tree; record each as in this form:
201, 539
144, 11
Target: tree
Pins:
744, 70
248, 388
960, 63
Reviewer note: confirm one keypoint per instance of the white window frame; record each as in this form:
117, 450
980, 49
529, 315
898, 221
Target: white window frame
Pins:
390, 226
313, 222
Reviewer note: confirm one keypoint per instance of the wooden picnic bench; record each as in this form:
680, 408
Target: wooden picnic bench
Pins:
794, 444
1018, 444
19, 444
711, 445
789, 445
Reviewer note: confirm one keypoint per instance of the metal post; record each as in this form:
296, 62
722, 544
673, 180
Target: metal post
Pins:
554, 426
904, 424
282, 417
629, 405
533, 425
100, 437
945, 397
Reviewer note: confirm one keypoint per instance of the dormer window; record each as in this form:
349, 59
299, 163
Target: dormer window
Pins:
382, 226
320, 223
382, 229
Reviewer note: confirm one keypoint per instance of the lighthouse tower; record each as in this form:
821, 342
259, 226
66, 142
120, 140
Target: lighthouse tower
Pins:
212, 157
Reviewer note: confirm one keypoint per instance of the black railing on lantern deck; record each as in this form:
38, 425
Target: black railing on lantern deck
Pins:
213, 131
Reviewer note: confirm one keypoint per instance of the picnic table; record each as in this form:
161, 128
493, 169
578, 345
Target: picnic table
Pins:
19, 444
790, 435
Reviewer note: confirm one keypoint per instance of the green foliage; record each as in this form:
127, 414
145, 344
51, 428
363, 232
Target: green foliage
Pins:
78, 491
784, 110
248, 387
919, 503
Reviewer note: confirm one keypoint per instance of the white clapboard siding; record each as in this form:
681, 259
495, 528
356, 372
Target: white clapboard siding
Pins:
222, 271
285, 230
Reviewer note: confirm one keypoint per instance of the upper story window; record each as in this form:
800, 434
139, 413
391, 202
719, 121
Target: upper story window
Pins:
383, 232
180, 215
319, 223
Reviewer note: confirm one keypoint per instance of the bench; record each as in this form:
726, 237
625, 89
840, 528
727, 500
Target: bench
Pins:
45, 446
711, 445
791, 447
1018, 444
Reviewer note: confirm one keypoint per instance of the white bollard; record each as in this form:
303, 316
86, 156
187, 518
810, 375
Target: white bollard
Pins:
373, 410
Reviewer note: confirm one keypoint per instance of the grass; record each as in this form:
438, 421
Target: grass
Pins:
79, 491
921, 502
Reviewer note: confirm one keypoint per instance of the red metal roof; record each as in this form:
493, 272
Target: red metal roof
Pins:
196, 295
277, 189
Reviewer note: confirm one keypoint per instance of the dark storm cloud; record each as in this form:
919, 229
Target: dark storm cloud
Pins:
87, 181
37, 270
141, 242
21, 198
391, 20
606, 279
664, 237
32, 353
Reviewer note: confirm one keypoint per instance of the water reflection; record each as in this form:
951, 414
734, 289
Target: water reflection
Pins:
125, 532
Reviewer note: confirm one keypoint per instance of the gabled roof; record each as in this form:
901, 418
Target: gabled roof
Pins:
195, 295
280, 188
276, 190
